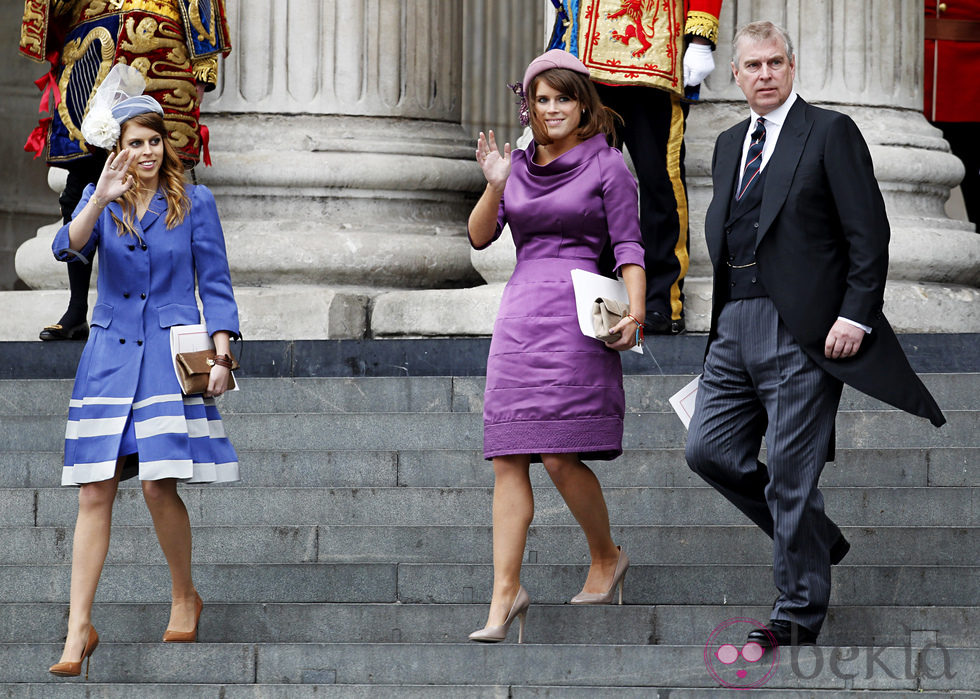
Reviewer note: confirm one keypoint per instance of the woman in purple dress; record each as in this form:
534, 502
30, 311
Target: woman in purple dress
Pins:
552, 393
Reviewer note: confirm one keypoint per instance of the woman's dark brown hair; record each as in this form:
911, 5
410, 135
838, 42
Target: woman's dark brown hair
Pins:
171, 178
596, 118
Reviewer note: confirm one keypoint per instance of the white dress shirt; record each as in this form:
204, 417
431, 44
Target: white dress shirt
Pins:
774, 123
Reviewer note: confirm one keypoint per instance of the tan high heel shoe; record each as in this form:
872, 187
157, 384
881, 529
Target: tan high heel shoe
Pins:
495, 634
622, 565
170, 636
74, 669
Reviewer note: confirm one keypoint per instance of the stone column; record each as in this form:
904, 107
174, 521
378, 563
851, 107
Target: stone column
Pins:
500, 37
340, 168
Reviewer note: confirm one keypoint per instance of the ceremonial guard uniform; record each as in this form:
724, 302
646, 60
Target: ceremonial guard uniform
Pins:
952, 90
634, 50
174, 43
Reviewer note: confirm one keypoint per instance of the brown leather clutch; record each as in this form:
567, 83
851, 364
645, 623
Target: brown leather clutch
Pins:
194, 370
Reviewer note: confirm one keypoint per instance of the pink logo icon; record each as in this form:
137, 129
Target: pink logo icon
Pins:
735, 663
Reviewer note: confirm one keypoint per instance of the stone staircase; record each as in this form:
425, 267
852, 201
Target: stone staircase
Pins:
355, 556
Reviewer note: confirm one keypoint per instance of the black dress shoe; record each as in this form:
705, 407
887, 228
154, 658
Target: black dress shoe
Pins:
782, 633
659, 324
839, 550
57, 332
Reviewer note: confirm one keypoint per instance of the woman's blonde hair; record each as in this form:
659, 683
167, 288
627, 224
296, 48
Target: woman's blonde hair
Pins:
171, 178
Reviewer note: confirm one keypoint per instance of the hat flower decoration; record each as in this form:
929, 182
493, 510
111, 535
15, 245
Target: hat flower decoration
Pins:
119, 98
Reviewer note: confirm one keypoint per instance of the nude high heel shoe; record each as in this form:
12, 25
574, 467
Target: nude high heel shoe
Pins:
185, 636
74, 669
622, 565
495, 634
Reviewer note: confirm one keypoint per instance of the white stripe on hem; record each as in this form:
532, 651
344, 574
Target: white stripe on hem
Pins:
154, 470
98, 400
97, 427
216, 429
166, 468
162, 424
80, 474
162, 398
222, 473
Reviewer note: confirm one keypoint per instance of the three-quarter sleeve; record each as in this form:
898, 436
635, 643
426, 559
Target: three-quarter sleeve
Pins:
501, 222
211, 264
621, 205
61, 245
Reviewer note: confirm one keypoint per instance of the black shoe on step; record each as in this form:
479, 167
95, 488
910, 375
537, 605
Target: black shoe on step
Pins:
782, 633
57, 332
659, 324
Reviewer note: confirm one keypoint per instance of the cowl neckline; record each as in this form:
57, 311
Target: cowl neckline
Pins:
570, 159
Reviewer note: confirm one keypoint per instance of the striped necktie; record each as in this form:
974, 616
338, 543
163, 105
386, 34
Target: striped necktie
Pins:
753, 159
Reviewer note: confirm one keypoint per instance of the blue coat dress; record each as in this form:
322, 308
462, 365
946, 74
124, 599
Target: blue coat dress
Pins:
126, 396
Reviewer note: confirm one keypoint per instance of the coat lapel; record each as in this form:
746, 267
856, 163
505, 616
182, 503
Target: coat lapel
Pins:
157, 207
729, 154
782, 165
115, 208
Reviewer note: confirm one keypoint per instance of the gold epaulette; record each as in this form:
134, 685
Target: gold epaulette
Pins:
702, 24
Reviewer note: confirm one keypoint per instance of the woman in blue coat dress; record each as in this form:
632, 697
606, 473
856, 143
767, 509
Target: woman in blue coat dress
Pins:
154, 234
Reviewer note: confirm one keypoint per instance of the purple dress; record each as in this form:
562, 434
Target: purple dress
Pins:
550, 389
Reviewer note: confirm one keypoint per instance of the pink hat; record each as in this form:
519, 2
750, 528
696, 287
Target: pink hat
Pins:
555, 58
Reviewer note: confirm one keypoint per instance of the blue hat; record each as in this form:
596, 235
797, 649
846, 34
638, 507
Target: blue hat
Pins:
133, 106
119, 98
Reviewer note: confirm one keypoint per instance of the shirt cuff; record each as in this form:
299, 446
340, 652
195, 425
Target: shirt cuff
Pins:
865, 328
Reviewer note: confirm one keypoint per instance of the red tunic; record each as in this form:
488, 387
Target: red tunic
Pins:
952, 61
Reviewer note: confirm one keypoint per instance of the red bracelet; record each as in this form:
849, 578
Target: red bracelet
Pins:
223, 360
633, 318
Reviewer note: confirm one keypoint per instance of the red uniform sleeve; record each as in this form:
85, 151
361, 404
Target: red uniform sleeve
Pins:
702, 19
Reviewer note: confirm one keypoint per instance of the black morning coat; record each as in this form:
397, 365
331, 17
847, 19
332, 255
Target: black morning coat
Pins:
821, 248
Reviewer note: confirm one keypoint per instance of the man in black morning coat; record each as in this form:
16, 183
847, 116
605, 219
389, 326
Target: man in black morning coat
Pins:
798, 239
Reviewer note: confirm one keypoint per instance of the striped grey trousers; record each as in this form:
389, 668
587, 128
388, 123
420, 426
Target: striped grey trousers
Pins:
757, 382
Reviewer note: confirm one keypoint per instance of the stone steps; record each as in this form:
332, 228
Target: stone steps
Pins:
558, 544
453, 430
355, 556
556, 665
378, 622
665, 467
401, 691
333, 395
722, 584
694, 506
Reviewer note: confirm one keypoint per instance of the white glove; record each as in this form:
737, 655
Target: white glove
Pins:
699, 61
